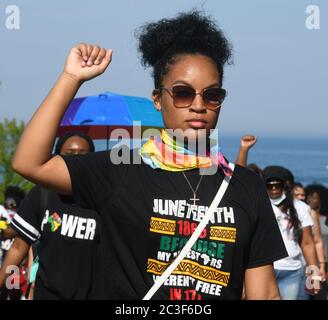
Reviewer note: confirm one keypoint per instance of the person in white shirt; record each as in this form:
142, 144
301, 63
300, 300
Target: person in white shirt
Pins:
298, 191
295, 228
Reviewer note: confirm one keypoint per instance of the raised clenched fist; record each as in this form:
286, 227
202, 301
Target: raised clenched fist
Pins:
247, 141
86, 61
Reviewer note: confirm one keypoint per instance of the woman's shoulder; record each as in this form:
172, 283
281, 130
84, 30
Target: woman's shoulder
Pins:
248, 177
116, 156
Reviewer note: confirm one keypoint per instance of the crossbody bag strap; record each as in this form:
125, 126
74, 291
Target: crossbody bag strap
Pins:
217, 199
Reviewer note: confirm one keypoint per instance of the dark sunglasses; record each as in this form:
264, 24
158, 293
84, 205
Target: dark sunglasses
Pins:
183, 96
277, 185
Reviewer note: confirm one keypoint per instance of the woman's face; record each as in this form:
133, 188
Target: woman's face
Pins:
275, 189
299, 193
313, 200
75, 145
197, 72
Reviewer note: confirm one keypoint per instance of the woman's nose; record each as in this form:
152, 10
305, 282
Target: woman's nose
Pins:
198, 104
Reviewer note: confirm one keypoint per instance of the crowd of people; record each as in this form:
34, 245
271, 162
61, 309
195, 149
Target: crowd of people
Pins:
28, 238
183, 223
302, 216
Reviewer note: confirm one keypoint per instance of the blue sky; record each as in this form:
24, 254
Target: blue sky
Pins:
277, 85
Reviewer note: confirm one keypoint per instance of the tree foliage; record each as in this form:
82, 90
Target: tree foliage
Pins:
10, 132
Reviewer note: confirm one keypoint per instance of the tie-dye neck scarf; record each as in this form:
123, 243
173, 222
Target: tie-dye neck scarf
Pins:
162, 152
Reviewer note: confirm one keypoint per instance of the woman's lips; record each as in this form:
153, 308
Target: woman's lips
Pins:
197, 124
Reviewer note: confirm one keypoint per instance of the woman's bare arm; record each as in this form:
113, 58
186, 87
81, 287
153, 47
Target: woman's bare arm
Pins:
318, 242
32, 158
260, 284
308, 248
9, 233
14, 257
246, 142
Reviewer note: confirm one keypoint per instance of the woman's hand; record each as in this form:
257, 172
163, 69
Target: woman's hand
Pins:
83, 63
86, 61
247, 141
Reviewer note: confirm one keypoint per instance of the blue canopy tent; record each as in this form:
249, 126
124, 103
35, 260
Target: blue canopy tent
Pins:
99, 115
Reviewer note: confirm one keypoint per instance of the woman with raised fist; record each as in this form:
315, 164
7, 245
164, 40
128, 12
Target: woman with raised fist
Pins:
150, 209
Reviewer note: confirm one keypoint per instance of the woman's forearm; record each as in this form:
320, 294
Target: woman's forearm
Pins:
32, 158
242, 157
317, 237
320, 251
38, 137
309, 253
14, 257
308, 248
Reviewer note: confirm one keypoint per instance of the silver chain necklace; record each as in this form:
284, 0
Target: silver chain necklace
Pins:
194, 199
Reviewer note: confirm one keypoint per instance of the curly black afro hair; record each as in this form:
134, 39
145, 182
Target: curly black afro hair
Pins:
161, 43
323, 194
13, 197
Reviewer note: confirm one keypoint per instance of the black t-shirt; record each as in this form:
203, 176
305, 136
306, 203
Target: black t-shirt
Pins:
69, 251
147, 217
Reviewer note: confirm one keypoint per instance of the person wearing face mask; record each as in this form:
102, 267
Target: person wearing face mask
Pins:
303, 209
295, 228
67, 237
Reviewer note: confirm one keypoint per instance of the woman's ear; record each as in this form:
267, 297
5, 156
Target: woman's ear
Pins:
156, 97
